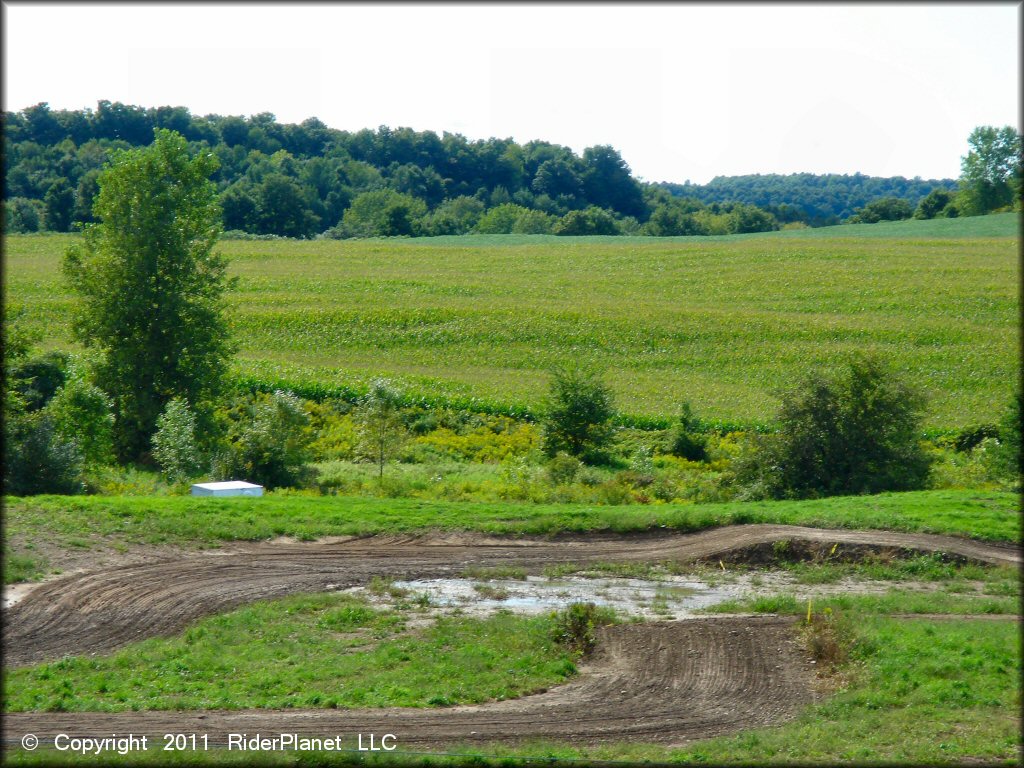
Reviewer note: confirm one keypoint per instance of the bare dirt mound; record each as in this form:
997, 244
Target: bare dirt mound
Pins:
666, 683
99, 611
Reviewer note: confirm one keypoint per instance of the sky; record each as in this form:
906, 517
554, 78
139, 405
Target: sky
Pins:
684, 92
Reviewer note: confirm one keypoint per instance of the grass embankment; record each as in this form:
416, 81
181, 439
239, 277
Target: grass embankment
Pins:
81, 521
720, 322
322, 651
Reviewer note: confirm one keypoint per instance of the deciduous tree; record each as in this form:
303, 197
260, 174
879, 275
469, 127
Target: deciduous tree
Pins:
991, 171
151, 287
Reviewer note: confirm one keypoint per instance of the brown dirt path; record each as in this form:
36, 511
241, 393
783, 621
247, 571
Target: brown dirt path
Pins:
99, 611
665, 682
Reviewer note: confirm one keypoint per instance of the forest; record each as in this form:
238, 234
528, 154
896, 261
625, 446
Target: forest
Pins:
306, 180
816, 199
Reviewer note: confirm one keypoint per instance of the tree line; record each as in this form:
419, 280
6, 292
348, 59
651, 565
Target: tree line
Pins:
815, 199
305, 180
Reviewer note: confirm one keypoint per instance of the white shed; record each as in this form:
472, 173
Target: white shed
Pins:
229, 488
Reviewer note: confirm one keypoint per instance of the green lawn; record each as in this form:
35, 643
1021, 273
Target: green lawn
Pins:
722, 322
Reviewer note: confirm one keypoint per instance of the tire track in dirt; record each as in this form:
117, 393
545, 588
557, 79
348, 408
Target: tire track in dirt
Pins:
663, 682
99, 611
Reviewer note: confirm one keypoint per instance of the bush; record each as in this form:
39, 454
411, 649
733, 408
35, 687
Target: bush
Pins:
577, 414
1007, 458
686, 442
563, 468
575, 626
174, 443
82, 412
883, 209
501, 219
22, 215
857, 432
267, 442
533, 223
589, 221
382, 213
495, 439
36, 380
934, 203
37, 459
970, 437
333, 434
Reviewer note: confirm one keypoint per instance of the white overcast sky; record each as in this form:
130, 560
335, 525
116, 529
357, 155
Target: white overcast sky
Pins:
682, 91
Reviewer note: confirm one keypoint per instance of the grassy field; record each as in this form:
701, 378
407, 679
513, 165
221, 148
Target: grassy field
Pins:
82, 521
722, 322
323, 651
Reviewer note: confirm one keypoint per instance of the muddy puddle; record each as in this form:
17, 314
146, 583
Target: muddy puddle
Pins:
671, 597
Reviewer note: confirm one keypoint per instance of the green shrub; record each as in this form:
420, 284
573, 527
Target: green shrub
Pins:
36, 380
83, 413
642, 462
494, 440
174, 442
934, 203
22, 215
590, 221
969, 437
856, 432
578, 414
686, 442
333, 434
501, 219
267, 441
1008, 462
533, 223
37, 459
575, 626
883, 209
563, 468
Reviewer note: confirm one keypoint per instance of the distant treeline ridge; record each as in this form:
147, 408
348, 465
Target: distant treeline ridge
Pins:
304, 180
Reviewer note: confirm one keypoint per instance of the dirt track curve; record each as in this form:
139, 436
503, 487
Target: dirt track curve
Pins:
99, 611
663, 682
666, 682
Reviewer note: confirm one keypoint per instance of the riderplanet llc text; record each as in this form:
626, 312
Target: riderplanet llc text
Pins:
238, 742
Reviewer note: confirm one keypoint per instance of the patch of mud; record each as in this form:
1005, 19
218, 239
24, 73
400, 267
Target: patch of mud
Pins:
675, 597
670, 598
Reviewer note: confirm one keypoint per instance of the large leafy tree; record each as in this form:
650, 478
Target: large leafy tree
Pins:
151, 287
991, 170
609, 183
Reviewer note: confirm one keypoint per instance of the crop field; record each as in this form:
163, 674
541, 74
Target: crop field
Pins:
723, 322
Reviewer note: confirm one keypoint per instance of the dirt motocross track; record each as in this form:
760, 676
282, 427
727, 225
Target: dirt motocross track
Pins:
666, 682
